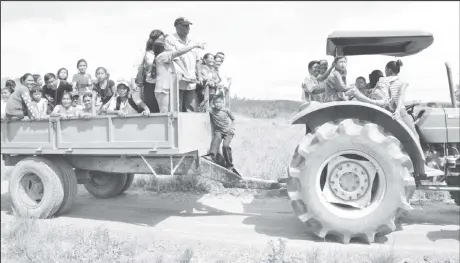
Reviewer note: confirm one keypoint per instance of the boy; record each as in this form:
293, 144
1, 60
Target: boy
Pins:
223, 124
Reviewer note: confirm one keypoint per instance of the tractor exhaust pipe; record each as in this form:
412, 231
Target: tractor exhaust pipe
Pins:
451, 85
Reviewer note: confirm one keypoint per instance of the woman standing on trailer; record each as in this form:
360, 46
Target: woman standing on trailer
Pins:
148, 94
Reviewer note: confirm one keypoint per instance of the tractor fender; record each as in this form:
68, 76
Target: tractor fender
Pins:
314, 114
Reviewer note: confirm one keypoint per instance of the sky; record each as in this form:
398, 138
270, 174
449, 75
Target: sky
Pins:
267, 44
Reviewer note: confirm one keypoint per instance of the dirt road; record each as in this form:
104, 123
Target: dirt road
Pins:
240, 227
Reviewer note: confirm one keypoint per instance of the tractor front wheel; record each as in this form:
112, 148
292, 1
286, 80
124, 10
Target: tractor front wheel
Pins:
351, 180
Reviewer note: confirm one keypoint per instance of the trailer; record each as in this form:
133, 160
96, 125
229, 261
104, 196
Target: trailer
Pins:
50, 157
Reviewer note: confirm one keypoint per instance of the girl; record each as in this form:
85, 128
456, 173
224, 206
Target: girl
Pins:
63, 73
104, 89
65, 109
209, 77
82, 81
87, 110
19, 104
6, 93
336, 82
148, 94
40, 102
371, 93
124, 104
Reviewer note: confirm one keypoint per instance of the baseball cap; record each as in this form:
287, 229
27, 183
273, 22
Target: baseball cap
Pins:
124, 83
182, 20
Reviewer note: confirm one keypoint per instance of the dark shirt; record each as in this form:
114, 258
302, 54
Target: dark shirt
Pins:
56, 94
105, 94
221, 120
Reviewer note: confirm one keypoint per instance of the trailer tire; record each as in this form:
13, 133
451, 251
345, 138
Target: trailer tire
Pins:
129, 182
69, 182
343, 144
28, 178
105, 185
454, 181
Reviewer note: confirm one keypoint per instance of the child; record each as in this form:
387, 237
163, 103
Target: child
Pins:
104, 89
6, 93
223, 123
40, 102
62, 74
124, 104
86, 110
76, 100
65, 109
82, 81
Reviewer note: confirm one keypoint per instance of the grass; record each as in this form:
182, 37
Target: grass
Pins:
29, 240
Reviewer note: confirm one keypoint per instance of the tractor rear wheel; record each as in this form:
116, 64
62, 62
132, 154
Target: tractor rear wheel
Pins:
349, 179
105, 185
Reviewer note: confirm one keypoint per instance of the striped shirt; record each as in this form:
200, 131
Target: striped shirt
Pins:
312, 83
333, 81
393, 84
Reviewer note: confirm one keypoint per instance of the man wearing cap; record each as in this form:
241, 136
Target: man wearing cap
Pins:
186, 66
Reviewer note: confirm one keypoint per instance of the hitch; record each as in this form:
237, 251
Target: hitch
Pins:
232, 179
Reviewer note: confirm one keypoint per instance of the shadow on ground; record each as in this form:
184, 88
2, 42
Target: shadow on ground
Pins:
269, 216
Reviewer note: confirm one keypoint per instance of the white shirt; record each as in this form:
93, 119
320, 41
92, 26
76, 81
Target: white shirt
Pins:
165, 76
148, 65
184, 65
125, 107
223, 74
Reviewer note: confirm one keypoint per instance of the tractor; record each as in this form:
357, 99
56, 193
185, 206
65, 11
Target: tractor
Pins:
356, 168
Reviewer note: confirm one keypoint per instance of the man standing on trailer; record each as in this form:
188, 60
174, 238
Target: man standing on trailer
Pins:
186, 66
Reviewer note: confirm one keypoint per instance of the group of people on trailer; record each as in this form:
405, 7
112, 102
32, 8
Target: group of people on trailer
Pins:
169, 61
327, 84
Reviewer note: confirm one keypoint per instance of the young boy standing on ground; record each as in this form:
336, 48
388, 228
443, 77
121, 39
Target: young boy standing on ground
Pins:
223, 123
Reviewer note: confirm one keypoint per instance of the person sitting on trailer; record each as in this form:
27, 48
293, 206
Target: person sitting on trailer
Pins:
223, 124
19, 105
124, 104
65, 109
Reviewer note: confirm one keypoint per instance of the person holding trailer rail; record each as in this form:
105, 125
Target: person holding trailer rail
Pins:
165, 73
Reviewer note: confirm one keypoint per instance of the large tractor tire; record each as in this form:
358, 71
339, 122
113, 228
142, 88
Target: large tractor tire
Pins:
454, 181
35, 188
69, 182
129, 182
105, 185
349, 179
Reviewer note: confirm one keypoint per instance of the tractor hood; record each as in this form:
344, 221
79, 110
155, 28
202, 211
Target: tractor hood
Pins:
391, 43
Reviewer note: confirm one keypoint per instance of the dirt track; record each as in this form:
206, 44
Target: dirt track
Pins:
241, 226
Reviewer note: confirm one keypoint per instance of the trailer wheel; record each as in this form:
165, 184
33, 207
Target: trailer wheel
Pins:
129, 182
454, 181
350, 180
69, 182
35, 188
104, 185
